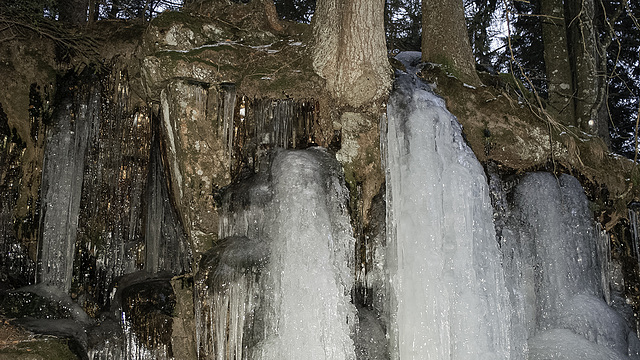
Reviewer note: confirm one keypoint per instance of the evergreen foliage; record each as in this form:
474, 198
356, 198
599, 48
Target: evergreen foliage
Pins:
403, 24
623, 70
296, 10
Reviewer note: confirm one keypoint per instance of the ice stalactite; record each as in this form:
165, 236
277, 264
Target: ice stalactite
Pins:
228, 314
296, 210
283, 123
449, 299
634, 225
604, 259
264, 124
226, 116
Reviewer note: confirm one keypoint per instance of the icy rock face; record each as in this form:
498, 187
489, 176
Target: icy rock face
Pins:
552, 254
371, 279
449, 299
295, 209
110, 226
16, 268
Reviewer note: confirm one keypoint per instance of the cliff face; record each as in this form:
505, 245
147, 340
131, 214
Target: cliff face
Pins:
127, 161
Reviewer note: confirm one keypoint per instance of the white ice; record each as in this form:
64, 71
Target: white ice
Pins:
444, 262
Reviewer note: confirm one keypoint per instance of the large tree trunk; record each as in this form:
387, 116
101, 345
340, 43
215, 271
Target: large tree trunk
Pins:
350, 51
445, 39
557, 64
351, 55
589, 79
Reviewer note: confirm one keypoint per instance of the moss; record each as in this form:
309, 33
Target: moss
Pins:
448, 66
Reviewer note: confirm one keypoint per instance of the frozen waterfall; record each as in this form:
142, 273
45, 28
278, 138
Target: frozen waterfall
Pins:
449, 299
553, 260
279, 284
538, 290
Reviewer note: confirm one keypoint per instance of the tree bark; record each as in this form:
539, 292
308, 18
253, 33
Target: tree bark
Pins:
557, 64
445, 39
350, 51
590, 84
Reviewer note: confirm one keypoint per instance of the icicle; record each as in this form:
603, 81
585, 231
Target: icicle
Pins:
226, 286
604, 259
634, 220
62, 185
228, 109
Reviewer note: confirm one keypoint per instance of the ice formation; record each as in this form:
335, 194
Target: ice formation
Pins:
447, 285
67, 141
553, 255
293, 303
454, 278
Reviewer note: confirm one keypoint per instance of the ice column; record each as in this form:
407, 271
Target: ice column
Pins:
75, 124
445, 271
551, 244
311, 262
278, 284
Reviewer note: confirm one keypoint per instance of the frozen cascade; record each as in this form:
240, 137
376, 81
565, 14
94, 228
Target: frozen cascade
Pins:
311, 261
304, 308
447, 285
553, 256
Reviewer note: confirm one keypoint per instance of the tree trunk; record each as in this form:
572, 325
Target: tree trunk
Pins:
590, 84
351, 55
557, 64
350, 51
445, 39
